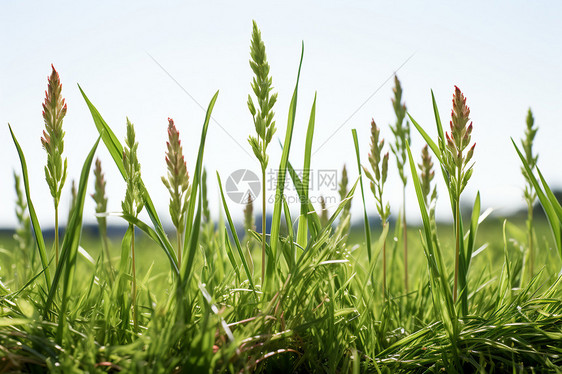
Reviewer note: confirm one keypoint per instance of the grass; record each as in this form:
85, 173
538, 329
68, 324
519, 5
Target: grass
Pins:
315, 297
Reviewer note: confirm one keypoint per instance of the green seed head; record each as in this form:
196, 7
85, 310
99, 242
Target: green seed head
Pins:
379, 166
527, 143
99, 195
262, 113
344, 190
177, 181
426, 172
133, 202
401, 131
249, 215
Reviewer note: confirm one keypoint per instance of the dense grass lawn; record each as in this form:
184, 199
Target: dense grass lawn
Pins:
481, 294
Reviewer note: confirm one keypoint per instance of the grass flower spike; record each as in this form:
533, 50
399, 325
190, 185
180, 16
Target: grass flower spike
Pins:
177, 183
401, 131
529, 194
133, 202
426, 172
379, 166
456, 161
100, 198
54, 110
262, 115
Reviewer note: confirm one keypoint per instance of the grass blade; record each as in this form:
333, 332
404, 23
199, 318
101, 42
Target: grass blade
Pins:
365, 216
196, 179
546, 203
276, 220
235, 236
116, 151
32, 215
302, 232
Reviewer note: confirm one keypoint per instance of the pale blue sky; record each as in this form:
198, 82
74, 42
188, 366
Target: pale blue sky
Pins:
504, 56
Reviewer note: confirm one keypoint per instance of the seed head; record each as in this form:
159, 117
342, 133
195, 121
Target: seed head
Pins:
426, 172
249, 215
401, 130
459, 138
379, 166
262, 114
133, 202
54, 110
99, 195
178, 178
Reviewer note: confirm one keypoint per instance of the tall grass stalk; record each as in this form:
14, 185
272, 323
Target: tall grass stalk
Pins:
133, 202
100, 198
177, 184
54, 110
379, 168
529, 193
262, 116
457, 165
401, 131
23, 237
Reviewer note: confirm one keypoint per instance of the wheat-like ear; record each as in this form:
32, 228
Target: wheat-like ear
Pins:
177, 183
54, 110
133, 202
249, 215
99, 195
379, 169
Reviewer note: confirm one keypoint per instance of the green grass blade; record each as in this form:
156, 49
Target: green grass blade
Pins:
473, 228
441, 292
166, 246
196, 179
550, 212
116, 151
192, 245
365, 216
434, 147
71, 242
230, 255
313, 220
438, 123
276, 220
32, 215
303, 221
290, 256
551, 197
234, 235
464, 260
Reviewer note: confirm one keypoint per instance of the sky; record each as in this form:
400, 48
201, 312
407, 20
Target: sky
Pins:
149, 61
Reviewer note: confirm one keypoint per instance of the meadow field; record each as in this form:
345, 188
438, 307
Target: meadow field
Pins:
320, 291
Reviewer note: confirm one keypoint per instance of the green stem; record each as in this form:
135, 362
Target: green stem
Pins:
134, 291
405, 229
457, 234
178, 237
458, 227
530, 234
384, 263
56, 234
105, 244
263, 228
